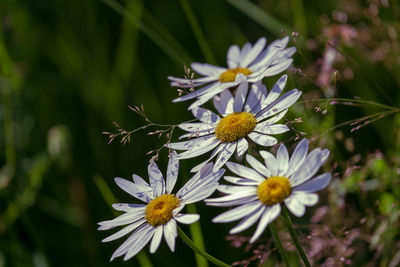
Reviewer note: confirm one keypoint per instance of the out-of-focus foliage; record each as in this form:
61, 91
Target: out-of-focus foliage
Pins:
70, 68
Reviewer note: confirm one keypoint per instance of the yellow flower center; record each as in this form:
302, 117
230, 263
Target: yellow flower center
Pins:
159, 210
230, 74
274, 190
235, 126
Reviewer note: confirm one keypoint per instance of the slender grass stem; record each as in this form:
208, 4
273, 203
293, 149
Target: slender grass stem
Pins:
196, 249
357, 101
197, 236
278, 244
293, 234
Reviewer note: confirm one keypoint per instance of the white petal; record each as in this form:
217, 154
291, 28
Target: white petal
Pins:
262, 139
253, 99
270, 161
139, 244
196, 151
124, 231
224, 155
187, 218
139, 180
237, 213
307, 199
232, 203
205, 115
155, 243
244, 171
254, 52
132, 240
282, 156
275, 118
227, 101
240, 96
127, 207
239, 195
248, 221
187, 145
138, 191
213, 154
196, 126
156, 179
295, 206
256, 165
242, 146
172, 172
276, 90
280, 104
206, 89
271, 129
241, 181
278, 68
170, 233
309, 167
315, 184
126, 218
298, 156
268, 216
233, 56
207, 69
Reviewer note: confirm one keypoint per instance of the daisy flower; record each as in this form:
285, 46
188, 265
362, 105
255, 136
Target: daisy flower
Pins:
262, 189
252, 62
250, 115
162, 211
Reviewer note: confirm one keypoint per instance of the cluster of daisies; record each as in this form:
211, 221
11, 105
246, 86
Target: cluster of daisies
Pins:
246, 114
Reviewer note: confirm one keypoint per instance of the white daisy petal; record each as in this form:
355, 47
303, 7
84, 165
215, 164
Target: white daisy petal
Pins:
224, 155
236, 196
232, 203
242, 146
187, 145
230, 189
196, 126
278, 68
156, 179
282, 157
139, 180
207, 69
124, 231
280, 104
138, 234
253, 100
268, 216
187, 218
254, 52
295, 206
307, 199
233, 56
244, 171
276, 90
244, 52
205, 115
298, 156
237, 213
240, 96
170, 233
262, 139
275, 118
206, 89
241, 181
256, 165
271, 129
127, 207
139, 244
227, 101
248, 221
126, 218
172, 172
155, 242
309, 167
138, 191
315, 184
213, 154
196, 151
270, 162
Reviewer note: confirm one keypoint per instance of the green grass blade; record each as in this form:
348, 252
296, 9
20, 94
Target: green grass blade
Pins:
299, 19
197, 236
260, 16
154, 36
198, 33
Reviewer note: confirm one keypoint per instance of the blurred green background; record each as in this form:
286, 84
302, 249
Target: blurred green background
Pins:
68, 69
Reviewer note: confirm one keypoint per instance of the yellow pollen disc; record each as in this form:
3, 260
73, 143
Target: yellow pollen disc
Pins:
230, 74
159, 210
274, 190
235, 126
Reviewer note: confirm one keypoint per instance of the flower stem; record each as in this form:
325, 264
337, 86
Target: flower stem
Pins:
278, 244
293, 234
196, 249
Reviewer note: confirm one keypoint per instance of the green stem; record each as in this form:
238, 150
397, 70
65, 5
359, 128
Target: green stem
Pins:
358, 101
278, 243
196, 249
293, 234
197, 236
